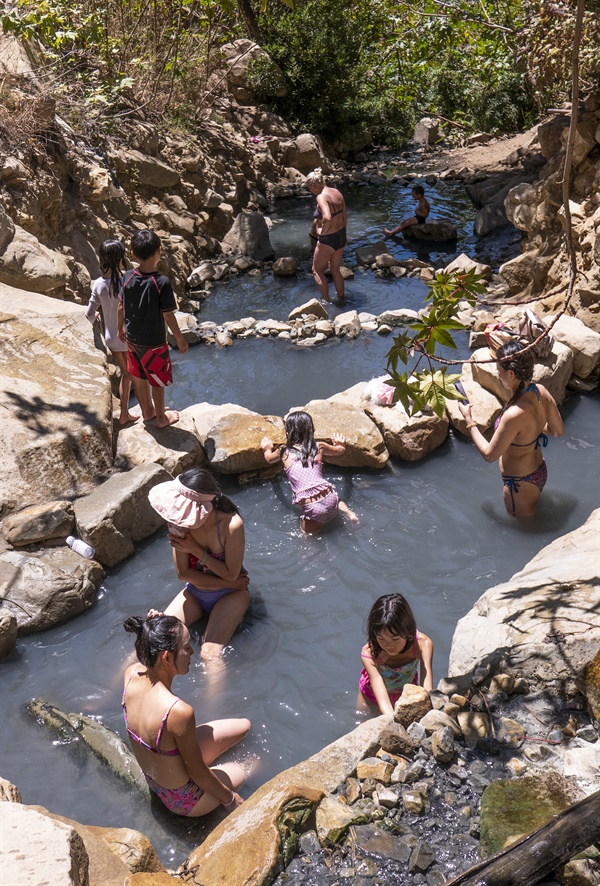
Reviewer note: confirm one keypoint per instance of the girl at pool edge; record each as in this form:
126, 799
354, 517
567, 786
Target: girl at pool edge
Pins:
206, 534
175, 754
520, 431
302, 458
395, 654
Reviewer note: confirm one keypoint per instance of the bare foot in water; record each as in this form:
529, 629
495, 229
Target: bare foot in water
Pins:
170, 417
350, 515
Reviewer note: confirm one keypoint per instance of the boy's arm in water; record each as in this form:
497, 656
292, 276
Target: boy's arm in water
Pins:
173, 325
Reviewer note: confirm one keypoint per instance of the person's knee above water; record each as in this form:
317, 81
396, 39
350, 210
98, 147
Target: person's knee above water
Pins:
421, 212
520, 431
328, 233
174, 754
206, 533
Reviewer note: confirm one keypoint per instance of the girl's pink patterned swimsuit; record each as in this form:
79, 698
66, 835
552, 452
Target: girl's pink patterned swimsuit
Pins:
395, 679
308, 483
181, 800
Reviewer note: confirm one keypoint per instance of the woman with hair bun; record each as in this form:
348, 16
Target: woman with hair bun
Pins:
520, 431
175, 754
206, 534
328, 233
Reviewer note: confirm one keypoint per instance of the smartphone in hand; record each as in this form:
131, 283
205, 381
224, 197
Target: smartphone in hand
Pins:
461, 390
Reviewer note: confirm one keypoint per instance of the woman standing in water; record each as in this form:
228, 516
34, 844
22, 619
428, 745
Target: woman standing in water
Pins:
174, 753
520, 431
206, 534
328, 233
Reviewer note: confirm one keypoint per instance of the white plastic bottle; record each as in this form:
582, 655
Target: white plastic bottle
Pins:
80, 547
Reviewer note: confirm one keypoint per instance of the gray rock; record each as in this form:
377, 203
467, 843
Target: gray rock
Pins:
149, 171
347, 325
398, 317
426, 131
435, 720
28, 264
396, 740
47, 588
421, 858
285, 267
442, 743
38, 849
8, 633
432, 231
417, 732
250, 236
367, 255
117, 515
53, 520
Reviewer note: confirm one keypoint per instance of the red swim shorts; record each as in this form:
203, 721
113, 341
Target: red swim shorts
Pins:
151, 364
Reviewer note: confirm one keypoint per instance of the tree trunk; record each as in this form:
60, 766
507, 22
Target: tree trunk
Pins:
252, 28
538, 854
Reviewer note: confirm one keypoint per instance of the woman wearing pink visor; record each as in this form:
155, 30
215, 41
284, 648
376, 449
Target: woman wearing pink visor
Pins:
206, 533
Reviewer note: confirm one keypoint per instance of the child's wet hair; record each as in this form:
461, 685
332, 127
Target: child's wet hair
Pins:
201, 480
419, 189
390, 613
144, 244
300, 432
159, 633
111, 255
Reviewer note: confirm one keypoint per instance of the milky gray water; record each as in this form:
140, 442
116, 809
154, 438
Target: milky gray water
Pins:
435, 531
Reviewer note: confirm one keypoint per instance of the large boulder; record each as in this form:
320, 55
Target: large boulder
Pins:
365, 447
39, 522
175, 448
117, 514
242, 57
464, 263
487, 219
485, 406
250, 236
314, 307
554, 371
432, 231
28, 264
149, 171
409, 438
7, 228
56, 429
37, 849
133, 848
426, 131
305, 153
254, 843
526, 270
45, 589
583, 341
232, 444
543, 623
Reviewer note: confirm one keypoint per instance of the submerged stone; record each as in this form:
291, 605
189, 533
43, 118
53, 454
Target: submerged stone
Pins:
521, 805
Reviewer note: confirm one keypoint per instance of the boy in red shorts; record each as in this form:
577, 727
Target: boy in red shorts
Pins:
146, 303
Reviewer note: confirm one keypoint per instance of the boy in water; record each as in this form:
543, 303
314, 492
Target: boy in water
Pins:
146, 303
421, 212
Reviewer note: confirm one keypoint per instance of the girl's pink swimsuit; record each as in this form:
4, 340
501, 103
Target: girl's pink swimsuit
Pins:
395, 679
181, 800
308, 483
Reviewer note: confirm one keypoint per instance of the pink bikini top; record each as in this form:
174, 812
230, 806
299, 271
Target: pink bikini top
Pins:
175, 752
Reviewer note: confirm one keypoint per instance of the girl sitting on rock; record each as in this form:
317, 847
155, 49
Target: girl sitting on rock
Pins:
174, 753
302, 458
206, 534
395, 654
104, 296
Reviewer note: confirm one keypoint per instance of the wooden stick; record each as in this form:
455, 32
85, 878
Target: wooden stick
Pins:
533, 857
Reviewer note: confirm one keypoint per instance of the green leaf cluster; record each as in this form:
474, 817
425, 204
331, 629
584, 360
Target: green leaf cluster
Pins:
432, 386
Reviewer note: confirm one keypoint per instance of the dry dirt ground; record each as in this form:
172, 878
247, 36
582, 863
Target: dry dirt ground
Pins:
487, 157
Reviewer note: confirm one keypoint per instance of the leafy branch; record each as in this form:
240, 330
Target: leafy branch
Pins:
431, 386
